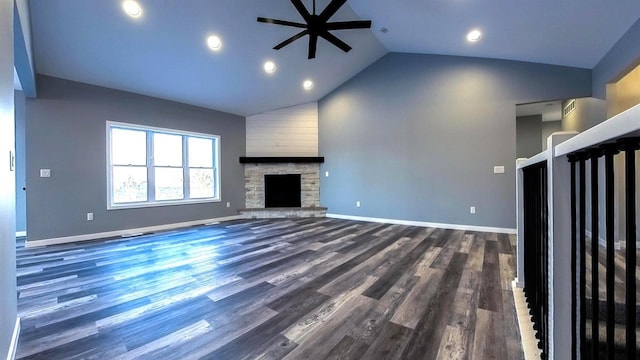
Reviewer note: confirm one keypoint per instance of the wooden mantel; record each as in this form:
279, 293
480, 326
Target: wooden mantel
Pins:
281, 159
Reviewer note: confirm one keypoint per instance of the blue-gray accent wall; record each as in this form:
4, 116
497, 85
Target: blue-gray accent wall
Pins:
22, 61
66, 132
415, 137
623, 56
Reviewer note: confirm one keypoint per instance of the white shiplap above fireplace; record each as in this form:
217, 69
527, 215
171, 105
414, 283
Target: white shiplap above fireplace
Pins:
292, 131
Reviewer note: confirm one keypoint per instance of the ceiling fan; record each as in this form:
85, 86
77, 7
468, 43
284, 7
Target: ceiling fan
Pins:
318, 25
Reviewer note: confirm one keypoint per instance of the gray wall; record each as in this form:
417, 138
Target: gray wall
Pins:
548, 128
528, 133
66, 133
7, 182
415, 137
588, 113
624, 56
21, 178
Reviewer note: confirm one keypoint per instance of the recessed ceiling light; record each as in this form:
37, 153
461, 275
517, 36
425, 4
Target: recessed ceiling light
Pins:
269, 67
474, 35
132, 8
307, 85
214, 42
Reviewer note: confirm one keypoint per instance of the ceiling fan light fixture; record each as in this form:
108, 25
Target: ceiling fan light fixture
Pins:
132, 8
474, 35
269, 67
317, 26
214, 43
307, 85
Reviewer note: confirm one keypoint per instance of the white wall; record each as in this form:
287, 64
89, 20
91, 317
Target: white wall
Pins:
292, 131
7, 182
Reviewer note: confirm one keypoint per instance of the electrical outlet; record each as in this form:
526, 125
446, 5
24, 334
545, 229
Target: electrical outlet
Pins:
89, 216
44, 173
326, 174
472, 210
228, 204
498, 169
357, 203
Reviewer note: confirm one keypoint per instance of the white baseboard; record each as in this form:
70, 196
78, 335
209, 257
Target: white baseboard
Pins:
13, 347
425, 224
21, 233
601, 240
126, 232
517, 284
619, 244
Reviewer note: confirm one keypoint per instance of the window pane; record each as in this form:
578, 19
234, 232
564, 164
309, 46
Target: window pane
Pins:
201, 183
167, 150
200, 152
169, 184
129, 184
128, 147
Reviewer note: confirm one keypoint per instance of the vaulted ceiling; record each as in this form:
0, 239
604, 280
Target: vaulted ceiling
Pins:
163, 53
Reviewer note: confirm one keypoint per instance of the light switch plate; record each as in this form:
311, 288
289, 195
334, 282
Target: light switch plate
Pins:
498, 169
45, 173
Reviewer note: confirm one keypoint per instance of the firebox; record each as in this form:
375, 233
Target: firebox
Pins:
282, 190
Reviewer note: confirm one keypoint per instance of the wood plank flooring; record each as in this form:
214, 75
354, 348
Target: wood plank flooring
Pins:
272, 289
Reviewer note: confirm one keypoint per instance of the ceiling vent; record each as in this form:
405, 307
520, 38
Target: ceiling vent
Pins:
568, 109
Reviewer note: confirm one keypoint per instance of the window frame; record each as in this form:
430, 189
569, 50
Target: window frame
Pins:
150, 166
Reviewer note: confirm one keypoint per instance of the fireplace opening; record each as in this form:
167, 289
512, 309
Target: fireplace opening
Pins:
282, 190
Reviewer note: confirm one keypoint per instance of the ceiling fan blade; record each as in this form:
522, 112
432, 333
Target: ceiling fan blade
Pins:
291, 39
282, 22
344, 25
335, 41
313, 43
302, 10
331, 9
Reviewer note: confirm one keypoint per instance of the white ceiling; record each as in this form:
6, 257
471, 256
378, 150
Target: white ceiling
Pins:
164, 54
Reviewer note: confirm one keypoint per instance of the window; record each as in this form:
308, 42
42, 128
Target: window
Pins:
152, 166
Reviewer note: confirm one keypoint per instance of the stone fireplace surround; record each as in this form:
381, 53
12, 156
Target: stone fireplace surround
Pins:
256, 168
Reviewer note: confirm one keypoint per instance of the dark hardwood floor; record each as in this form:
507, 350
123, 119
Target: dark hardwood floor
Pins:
272, 289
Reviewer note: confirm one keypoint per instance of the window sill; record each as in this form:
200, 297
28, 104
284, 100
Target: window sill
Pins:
162, 203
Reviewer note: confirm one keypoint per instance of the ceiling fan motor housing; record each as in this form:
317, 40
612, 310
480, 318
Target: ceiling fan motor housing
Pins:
318, 26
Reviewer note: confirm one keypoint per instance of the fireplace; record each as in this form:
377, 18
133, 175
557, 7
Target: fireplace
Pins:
298, 178
282, 191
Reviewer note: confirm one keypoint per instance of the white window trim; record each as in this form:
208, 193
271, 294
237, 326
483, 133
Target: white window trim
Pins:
157, 203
